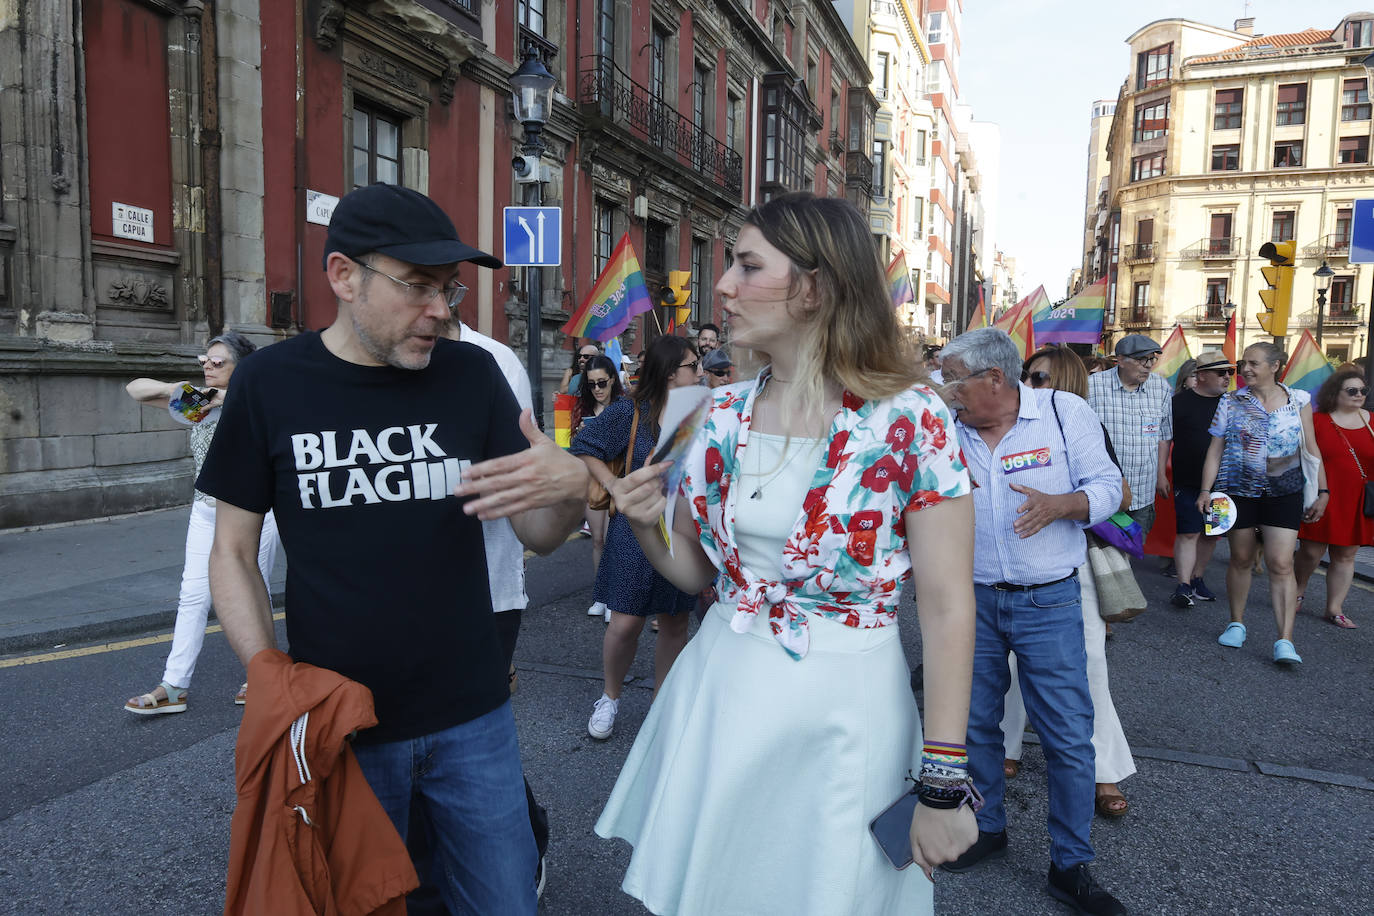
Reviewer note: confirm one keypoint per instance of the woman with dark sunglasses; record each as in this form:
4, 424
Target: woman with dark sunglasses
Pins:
600, 387
1346, 442
193, 607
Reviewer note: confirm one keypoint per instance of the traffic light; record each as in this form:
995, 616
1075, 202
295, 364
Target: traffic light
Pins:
677, 294
1278, 298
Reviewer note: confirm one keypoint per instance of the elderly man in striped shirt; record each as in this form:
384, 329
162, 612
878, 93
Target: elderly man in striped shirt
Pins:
1040, 464
1136, 406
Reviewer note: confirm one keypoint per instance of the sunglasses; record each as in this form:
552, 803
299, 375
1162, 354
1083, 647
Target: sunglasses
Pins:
585, 356
1226, 372
719, 373
1356, 392
599, 385
692, 365
1036, 379
214, 362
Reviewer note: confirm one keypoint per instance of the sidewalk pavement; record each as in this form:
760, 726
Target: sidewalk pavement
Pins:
94, 580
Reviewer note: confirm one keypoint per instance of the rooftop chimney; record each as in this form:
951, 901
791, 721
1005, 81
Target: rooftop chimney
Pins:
1245, 26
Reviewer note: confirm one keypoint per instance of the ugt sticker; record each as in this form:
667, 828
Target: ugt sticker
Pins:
1021, 461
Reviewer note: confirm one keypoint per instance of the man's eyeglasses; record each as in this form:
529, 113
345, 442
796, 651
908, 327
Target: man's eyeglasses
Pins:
214, 362
1356, 392
599, 385
1037, 379
1147, 361
421, 293
692, 365
971, 375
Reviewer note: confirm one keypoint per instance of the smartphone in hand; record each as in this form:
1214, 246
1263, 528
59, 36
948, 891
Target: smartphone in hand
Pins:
892, 830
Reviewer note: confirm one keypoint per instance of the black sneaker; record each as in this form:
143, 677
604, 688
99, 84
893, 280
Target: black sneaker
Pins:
988, 846
1182, 597
1200, 590
1076, 887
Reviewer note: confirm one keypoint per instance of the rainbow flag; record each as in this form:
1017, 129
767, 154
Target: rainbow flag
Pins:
1307, 367
899, 281
562, 419
1228, 349
1077, 321
1038, 302
1019, 324
617, 296
1173, 355
979, 318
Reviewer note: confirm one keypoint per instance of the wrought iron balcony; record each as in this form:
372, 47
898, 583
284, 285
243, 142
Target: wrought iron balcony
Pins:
1335, 315
836, 142
1136, 318
1210, 314
1139, 252
1218, 249
858, 171
607, 92
1335, 245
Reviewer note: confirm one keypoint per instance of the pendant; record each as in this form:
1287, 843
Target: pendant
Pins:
758, 494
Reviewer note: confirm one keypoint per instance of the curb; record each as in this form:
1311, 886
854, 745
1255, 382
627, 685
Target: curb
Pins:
96, 631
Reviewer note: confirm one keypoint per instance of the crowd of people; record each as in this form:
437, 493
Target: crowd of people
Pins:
815, 490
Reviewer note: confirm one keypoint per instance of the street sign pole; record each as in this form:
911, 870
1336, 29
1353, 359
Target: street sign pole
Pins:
535, 291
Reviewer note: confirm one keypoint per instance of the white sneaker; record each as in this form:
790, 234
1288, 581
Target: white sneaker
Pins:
607, 618
596, 610
602, 722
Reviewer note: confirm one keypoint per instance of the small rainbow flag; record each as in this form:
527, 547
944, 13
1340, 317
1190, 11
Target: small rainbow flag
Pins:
1173, 355
1019, 323
1307, 367
617, 296
1078, 320
899, 281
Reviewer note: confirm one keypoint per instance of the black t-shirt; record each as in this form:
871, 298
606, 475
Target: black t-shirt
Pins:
1192, 417
387, 577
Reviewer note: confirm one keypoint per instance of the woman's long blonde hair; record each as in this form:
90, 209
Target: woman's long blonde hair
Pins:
850, 331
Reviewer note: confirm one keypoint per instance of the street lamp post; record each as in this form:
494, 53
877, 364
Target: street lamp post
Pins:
532, 89
1323, 275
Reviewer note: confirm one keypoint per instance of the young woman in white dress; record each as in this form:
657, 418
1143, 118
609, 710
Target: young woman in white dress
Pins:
788, 723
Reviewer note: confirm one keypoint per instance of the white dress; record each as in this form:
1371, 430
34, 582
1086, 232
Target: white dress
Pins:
752, 782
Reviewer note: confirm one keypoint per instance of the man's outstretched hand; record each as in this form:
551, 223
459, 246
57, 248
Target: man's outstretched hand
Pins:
539, 476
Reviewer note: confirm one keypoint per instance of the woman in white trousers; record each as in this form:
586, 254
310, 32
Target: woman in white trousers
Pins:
193, 607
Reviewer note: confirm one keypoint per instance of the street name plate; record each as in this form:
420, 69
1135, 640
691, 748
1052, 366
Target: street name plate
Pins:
319, 207
130, 222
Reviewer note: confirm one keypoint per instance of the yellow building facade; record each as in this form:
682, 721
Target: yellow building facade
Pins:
1221, 141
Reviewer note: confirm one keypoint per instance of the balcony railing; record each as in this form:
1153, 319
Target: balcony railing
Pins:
1140, 251
1136, 317
1335, 315
1335, 245
836, 142
1210, 314
858, 171
608, 92
1220, 249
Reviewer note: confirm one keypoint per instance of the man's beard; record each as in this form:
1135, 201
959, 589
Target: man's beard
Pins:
388, 355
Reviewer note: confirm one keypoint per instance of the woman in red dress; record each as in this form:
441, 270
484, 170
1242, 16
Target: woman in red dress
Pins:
1346, 442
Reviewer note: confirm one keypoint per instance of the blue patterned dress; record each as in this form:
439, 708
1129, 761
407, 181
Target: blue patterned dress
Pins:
625, 581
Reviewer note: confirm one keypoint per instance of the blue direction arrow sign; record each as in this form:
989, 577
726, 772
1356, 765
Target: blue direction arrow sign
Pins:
534, 236
1362, 233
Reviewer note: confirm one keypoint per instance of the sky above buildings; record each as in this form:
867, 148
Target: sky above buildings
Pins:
1036, 66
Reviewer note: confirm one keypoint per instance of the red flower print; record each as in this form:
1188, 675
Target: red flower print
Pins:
861, 546
851, 401
714, 465
882, 474
837, 448
900, 434
867, 520
699, 504
814, 503
935, 429
923, 499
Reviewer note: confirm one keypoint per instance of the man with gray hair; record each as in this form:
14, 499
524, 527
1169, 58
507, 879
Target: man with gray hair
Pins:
1042, 474
1136, 405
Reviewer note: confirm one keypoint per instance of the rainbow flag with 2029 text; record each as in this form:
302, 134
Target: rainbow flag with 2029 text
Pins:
617, 296
899, 281
1307, 368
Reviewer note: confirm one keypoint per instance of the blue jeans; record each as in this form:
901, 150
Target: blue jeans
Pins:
469, 780
1044, 627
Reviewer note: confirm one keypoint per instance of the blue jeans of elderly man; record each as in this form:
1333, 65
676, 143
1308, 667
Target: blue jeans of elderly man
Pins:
1043, 475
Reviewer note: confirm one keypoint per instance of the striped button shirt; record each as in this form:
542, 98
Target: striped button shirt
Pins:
1137, 421
1035, 453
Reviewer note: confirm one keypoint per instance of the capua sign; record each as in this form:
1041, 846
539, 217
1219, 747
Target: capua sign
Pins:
132, 222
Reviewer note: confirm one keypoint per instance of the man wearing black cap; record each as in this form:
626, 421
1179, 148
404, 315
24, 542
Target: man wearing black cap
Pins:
354, 438
718, 368
1136, 406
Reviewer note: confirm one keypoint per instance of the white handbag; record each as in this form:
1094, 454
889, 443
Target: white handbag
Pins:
1311, 468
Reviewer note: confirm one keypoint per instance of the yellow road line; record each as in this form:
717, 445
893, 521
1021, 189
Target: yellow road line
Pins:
107, 647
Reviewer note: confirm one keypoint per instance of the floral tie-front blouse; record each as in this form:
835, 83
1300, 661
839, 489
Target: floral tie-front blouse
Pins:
846, 557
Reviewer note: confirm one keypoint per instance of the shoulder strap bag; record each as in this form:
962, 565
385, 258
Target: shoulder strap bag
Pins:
1367, 505
598, 497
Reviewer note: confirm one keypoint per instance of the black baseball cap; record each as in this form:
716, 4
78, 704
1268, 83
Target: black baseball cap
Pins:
400, 223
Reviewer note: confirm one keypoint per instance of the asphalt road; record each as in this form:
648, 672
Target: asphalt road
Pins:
1255, 793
